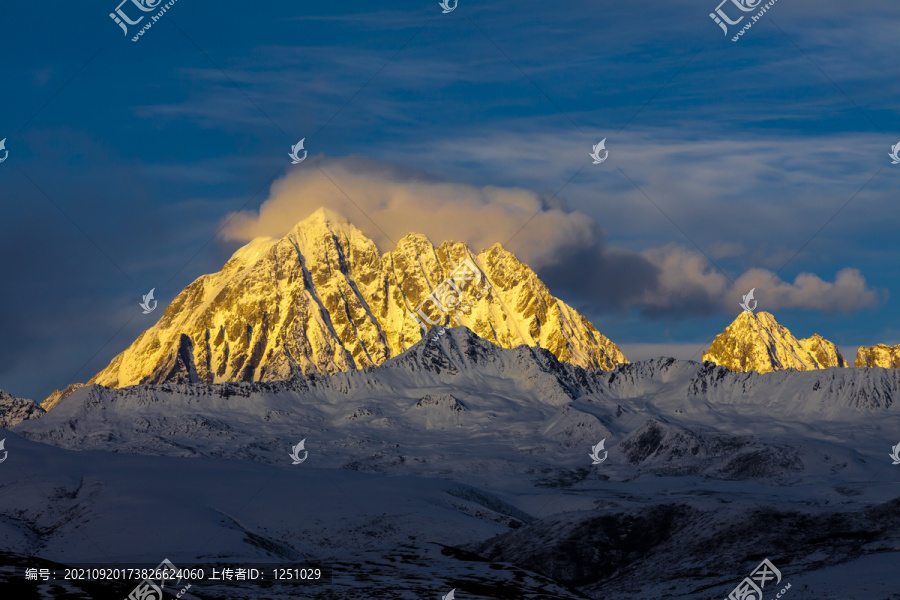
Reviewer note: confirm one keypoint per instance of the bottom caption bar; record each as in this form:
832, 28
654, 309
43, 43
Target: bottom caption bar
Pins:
166, 580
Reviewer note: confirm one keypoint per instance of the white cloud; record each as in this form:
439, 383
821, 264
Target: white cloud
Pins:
686, 276
387, 203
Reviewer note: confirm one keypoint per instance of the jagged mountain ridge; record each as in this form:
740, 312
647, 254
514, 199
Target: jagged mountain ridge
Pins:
323, 300
15, 410
757, 342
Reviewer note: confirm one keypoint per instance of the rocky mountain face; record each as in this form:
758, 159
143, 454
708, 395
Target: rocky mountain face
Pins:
825, 353
323, 299
15, 410
59, 395
757, 342
878, 356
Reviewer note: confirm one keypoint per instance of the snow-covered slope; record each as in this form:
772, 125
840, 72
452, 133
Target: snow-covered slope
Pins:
457, 405
702, 550
672, 538
460, 464
423, 412
757, 342
878, 356
179, 508
323, 300
111, 508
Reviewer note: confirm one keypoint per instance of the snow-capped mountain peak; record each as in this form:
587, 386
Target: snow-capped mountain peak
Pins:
757, 342
323, 299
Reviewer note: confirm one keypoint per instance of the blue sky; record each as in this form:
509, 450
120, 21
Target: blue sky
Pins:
729, 162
